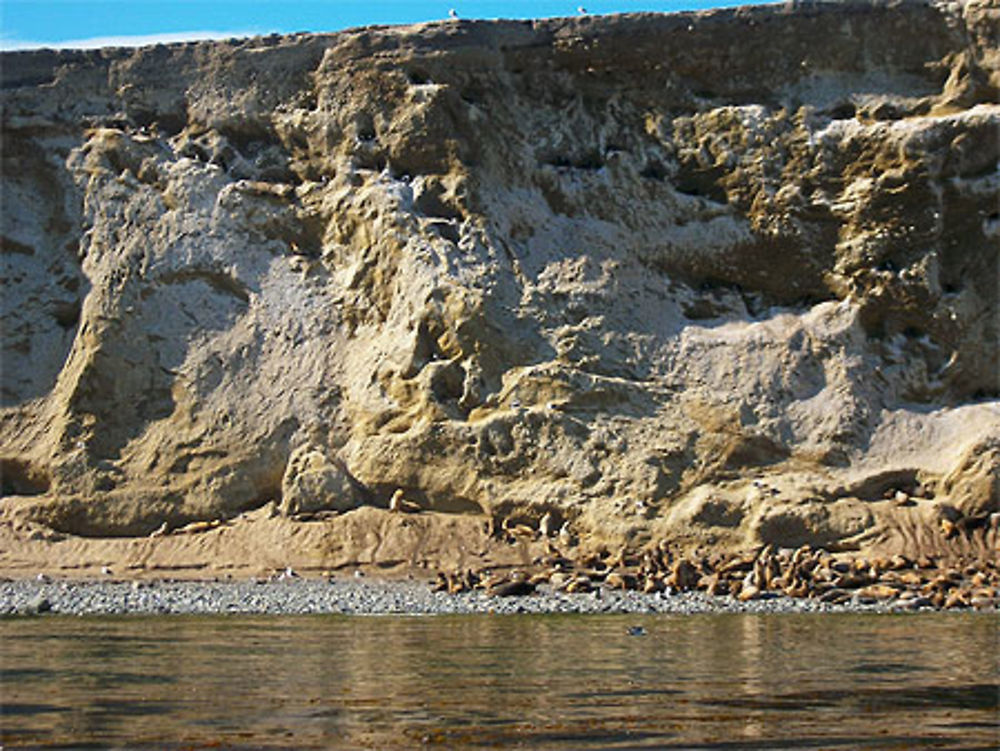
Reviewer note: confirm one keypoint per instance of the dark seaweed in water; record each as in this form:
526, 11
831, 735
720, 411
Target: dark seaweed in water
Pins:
541, 682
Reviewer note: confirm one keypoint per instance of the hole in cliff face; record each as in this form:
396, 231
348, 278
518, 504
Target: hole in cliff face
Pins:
143, 118
753, 451
418, 76
374, 162
67, 314
884, 111
711, 304
589, 160
364, 127
268, 489
9, 245
446, 382
717, 513
654, 170
875, 487
191, 150
248, 137
447, 230
21, 478
702, 183
888, 265
983, 395
298, 141
170, 124
842, 111
431, 202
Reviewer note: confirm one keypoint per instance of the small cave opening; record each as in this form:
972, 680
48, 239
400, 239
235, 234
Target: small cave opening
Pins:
434, 203
842, 111
702, 183
418, 76
589, 160
67, 314
654, 170
249, 137
18, 477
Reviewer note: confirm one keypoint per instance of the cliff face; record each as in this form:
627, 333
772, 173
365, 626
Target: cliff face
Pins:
725, 278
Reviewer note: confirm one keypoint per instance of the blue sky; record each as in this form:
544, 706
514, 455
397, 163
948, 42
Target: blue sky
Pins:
90, 23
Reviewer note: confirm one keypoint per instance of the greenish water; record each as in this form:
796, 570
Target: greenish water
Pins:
536, 682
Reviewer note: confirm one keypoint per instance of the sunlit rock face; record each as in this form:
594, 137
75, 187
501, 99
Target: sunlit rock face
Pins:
727, 277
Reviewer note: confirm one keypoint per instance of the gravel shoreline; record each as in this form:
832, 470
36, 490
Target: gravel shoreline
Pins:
374, 597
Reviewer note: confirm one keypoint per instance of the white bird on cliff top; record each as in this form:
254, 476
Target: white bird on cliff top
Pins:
452, 14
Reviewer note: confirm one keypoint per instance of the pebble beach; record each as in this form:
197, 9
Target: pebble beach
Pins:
363, 596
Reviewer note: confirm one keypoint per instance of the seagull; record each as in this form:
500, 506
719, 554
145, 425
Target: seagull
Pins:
581, 10
452, 14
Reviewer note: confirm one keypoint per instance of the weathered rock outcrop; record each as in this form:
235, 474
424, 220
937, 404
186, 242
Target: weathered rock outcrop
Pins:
727, 278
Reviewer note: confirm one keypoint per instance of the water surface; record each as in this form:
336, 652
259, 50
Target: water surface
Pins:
538, 682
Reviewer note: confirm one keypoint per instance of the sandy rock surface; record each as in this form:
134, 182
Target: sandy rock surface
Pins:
724, 279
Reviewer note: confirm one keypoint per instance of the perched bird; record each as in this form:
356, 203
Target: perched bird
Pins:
636, 631
452, 14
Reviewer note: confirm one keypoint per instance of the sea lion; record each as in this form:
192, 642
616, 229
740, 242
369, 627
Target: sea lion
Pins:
617, 580
515, 531
566, 538
684, 575
547, 526
511, 588
399, 504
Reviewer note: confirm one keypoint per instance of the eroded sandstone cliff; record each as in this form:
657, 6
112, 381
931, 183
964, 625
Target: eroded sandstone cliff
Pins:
726, 278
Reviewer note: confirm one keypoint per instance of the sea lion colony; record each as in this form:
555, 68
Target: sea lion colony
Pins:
801, 573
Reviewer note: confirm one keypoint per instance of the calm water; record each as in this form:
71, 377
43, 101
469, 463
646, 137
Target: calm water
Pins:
545, 682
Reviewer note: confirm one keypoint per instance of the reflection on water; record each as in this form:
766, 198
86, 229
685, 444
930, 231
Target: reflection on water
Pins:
539, 682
